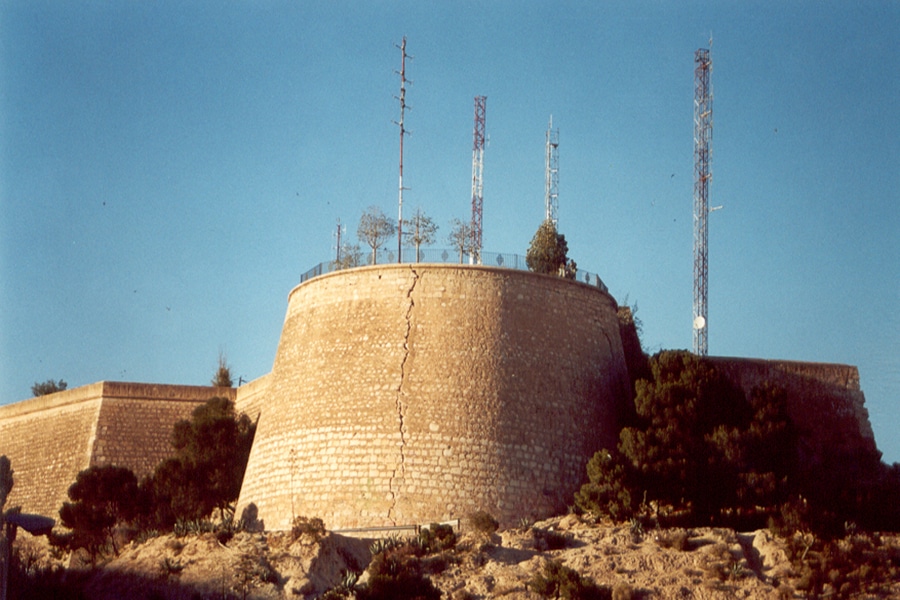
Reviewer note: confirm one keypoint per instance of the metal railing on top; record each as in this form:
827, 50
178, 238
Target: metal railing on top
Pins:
434, 255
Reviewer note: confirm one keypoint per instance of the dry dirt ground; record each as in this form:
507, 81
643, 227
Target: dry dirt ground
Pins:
696, 563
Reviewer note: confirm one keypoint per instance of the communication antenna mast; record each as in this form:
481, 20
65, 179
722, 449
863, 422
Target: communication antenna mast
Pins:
337, 235
403, 133
477, 179
551, 187
702, 139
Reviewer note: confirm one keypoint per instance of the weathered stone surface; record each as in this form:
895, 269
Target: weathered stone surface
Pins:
409, 394
51, 438
418, 393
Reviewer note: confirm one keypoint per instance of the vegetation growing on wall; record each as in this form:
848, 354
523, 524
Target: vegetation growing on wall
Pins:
637, 362
48, 387
222, 378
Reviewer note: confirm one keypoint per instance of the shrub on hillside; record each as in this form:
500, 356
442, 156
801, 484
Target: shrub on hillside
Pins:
482, 522
436, 538
699, 445
397, 574
555, 580
703, 450
312, 528
102, 498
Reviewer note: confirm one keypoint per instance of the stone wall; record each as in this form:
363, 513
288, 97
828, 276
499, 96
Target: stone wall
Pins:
416, 393
251, 396
409, 394
825, 402
51, 438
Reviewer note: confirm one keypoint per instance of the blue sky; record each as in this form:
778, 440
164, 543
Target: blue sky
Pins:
168, 169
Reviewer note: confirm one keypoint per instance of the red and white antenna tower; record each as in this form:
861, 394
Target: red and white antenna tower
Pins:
477, 179
403, 132
551, 187
702, 139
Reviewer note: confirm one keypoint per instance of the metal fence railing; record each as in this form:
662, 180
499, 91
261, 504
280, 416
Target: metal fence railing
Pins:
436, 255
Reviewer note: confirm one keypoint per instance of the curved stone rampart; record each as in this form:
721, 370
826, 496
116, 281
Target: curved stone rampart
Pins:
414, 393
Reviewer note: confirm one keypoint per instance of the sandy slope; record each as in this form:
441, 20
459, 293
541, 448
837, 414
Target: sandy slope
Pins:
701, 563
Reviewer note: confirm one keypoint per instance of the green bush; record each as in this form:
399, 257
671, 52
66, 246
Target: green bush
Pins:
699, 450
547, 252
436, 538
311, 527
549, 539
697, 446
207, 469
102, 498
397, 574
556, 580
483, 522
609, 488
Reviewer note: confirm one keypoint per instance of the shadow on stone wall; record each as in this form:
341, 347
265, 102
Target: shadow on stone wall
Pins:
825, 403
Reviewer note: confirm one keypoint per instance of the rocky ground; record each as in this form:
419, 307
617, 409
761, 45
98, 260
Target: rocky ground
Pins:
628, 562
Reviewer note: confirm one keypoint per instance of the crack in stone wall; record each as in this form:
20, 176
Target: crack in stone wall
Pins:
401, 466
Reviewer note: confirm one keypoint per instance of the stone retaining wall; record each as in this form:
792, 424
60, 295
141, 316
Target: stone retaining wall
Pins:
51, 438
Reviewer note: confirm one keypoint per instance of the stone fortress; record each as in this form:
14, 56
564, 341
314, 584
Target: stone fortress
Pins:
406, 394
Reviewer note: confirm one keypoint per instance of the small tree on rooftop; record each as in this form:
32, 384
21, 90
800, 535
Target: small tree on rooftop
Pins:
547, 252
350, 256
223, 373
375, 228
419, 231
460, 237
48, 387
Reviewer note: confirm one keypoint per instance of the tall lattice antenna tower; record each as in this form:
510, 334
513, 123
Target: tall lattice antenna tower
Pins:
551, 187
702, 139
339, 242
403, 133
477, 179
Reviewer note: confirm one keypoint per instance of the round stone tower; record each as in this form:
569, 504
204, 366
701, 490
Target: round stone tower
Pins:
408, 394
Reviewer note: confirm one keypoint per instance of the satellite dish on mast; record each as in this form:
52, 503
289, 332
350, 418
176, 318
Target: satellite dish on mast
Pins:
699, 322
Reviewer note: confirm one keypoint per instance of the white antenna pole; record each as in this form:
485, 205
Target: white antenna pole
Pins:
403, 133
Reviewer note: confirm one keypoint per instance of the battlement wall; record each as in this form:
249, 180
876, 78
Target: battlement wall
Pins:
51, 438
418, 393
